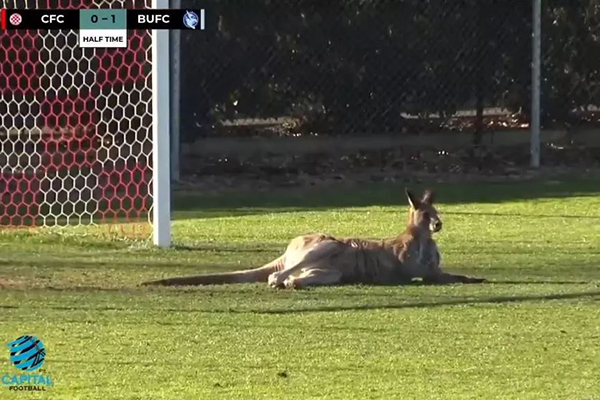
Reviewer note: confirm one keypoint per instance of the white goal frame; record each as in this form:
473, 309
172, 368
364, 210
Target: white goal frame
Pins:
161, 197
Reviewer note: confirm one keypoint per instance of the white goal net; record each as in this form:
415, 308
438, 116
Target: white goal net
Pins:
75, 125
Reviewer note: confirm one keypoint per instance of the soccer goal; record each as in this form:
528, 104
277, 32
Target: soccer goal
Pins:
84, 133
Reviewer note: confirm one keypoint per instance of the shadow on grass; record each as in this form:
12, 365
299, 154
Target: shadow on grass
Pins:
56, 264
227, 249
539, 282
444, 303
411, 305
534, 216
241, 203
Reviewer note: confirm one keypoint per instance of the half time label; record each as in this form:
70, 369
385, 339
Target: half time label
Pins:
100, 38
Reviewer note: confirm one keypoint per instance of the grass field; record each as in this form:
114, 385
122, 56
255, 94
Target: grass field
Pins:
532, 333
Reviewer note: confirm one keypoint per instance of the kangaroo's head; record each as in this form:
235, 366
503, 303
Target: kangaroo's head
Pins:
423, 214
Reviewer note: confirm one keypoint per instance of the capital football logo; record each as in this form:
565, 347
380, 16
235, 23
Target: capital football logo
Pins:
27, 353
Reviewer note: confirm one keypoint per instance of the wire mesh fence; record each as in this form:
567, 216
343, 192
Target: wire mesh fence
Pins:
570, 63
377, 66
356, 66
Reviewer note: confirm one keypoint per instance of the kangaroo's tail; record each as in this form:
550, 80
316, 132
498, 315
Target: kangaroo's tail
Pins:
246, 276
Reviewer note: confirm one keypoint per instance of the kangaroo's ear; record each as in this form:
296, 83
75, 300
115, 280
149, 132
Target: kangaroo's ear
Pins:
428, 197
412, 200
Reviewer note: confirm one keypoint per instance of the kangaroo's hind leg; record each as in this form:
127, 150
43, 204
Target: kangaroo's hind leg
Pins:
310, 258
314, 277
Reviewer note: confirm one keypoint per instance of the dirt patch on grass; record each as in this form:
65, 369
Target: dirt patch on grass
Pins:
11, 284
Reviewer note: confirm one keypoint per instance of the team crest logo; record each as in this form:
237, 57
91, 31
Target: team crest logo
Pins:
190, 20
16, 19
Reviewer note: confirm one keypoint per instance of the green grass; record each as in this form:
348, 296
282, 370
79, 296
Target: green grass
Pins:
533, 333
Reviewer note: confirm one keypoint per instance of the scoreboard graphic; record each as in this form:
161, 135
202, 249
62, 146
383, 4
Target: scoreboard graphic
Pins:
102, 28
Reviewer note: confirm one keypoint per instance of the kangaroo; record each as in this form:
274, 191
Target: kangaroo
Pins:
318, 259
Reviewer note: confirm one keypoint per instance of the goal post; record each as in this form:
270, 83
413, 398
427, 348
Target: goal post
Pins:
85, 132
161, 143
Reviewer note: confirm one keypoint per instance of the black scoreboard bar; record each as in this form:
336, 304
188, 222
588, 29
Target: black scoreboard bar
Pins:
161, 19
71, 19
40, 19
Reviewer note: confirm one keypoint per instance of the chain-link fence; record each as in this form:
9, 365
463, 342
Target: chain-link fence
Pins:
570, 63
356, 66
377, 66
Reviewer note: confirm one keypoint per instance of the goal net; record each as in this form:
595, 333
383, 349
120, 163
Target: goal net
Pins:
75, 125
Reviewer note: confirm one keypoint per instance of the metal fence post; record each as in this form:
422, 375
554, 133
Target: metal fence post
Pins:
535, 83
175, 56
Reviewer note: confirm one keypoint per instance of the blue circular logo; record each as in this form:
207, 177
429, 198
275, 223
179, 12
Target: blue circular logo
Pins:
27, 353
190, 19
